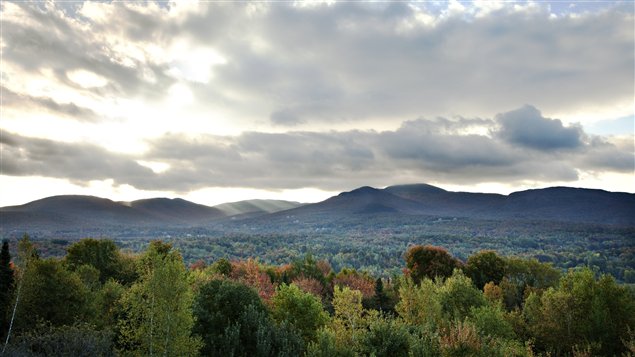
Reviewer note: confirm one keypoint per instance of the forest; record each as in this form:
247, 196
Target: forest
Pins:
100, 300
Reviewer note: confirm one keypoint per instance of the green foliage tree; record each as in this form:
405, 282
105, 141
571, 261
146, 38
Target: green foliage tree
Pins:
218, 307
326, 346
419, 305
380, 299
158, 309
490, 321
52, 294
386, 337
300, 309
102, 254
582, 312
523, 276
458, 295
429, 261
348, 320
106, 305
233, 321
484, 267
222, 266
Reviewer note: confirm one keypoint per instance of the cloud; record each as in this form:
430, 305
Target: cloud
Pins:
325, 64
70, 110
439, 150
77, 162
527, 127
285, 117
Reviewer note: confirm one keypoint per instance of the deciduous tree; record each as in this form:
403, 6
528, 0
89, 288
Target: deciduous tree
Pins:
300, 309
429, 261
158, 309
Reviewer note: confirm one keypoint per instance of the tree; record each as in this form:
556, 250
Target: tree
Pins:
461, 339
490, 321
493, 293
157, 310
458, 295
419, 305
52, 294
581, 308
222, 266
218, 308
381, 300
523, 276
102, 254
300, 309
356, 281
326, 346
484, 267
348, 321
79, 340
386, 337
233, 321
7, 281
429, 261
250, 273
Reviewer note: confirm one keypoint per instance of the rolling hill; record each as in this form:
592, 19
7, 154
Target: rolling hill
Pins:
256, 207
366, 204
556, 204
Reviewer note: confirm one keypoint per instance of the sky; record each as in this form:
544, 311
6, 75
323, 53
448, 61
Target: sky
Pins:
218, 101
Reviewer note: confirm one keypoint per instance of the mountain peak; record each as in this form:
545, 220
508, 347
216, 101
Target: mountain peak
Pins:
364, 190
414, 187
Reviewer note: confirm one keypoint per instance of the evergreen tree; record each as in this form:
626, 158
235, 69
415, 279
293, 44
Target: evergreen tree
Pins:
7, 281
381, 299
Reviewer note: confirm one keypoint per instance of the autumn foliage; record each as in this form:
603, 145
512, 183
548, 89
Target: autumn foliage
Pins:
429, 262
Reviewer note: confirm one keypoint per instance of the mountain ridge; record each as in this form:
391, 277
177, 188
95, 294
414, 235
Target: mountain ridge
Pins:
556, 204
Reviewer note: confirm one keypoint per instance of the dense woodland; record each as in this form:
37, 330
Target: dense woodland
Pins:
98, 300
344, 243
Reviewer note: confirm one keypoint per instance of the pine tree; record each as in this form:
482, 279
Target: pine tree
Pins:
7, 282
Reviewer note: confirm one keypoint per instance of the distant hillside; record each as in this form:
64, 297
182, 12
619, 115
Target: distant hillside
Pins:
176, 210
557, 204
89, 213
363, 206
252, 207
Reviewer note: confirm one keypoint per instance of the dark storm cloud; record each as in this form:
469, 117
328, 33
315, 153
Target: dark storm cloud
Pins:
527, 127
439, 149
11, 99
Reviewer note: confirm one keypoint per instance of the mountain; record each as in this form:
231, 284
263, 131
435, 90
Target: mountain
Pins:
361, 207
89, 213
556, 204
436, 201
572, 205
176, 210
256, 207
